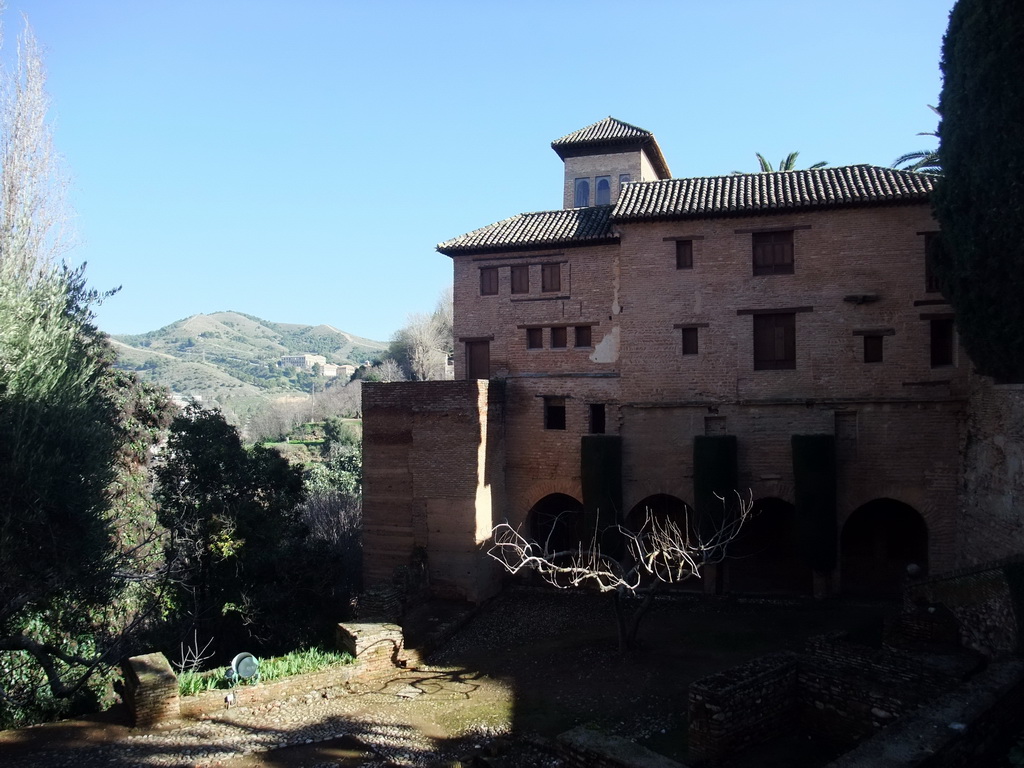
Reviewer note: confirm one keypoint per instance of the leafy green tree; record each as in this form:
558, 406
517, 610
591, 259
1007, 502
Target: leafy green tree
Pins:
77, 565
980, 201
237, 537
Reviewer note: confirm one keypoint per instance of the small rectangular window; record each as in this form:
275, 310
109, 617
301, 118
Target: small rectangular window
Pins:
488, 281
689, 341
551, 277
932, 253
597, 418
873, 349
775, 341
520, 279
773, 253
478, 360
942, 342
559, 337
534, 338
554, 413
583, 336
684, 254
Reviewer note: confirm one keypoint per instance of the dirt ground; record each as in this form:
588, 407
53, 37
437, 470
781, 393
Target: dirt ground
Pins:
530, 663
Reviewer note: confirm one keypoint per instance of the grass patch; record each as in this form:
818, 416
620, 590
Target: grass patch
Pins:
294, 663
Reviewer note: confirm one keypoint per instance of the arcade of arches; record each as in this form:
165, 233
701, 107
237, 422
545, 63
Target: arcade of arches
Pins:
878, 542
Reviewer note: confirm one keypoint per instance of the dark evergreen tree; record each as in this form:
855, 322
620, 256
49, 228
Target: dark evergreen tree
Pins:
980, 201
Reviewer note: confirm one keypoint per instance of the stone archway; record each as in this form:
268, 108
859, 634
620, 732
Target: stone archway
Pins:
765, 557
558, 522
879, 541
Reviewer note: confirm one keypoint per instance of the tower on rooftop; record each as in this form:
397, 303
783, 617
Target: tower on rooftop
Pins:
602, 157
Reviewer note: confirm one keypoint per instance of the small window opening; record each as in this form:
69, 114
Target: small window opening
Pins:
583, 336
558, 337
582, 198
554, 413
534, 338
551, 277
684, 254
603, 192
597, 418
689, 341
489, 281
942, 342
873, 347
773, 253
520, 279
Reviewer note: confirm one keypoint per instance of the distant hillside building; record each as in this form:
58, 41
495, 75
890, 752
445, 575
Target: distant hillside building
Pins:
304, 362
781, 329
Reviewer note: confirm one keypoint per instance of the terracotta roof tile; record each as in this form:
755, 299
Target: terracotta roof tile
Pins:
574, 226
766, 192
603, 131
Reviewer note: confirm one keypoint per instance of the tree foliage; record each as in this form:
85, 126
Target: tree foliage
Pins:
980, 201
788, 163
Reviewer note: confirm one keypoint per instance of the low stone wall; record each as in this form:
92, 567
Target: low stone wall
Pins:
151, 689
973, 724
847, 692
584, 747
742, 706
987, 601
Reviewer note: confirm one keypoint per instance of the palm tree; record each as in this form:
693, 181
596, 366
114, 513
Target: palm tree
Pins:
924, 161
788, 163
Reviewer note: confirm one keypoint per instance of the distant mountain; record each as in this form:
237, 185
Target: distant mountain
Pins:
229, 355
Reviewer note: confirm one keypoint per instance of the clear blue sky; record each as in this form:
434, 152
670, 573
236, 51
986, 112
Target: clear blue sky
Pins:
300, 160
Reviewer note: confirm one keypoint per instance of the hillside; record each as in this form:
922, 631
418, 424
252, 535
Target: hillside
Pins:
230, 355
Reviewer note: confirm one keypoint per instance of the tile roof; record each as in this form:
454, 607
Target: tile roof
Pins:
754, 193
614, 135
573, 226
714, 196
602, 131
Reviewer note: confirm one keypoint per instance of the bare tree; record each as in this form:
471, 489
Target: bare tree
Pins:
662, 552
425, 344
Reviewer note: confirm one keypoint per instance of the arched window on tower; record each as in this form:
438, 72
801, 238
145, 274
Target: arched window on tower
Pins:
604, 191
582, 199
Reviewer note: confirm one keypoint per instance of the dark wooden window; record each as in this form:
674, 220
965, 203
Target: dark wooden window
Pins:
534, 338
597, 418
551, 277
775, 341
932, 252
583, 336
554, 413
603, 190
873, 348
520, 279
488, 281
478, 360
684, 254
559, 337
942, 341
773, 253
582, 193
689, 341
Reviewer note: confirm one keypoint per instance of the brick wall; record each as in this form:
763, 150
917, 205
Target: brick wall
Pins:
151, 689
433, 473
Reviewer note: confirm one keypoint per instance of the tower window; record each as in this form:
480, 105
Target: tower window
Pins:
604, 191
520, 279
489, 281
583, 336
551, 277
582, 198
558, 337
554, 413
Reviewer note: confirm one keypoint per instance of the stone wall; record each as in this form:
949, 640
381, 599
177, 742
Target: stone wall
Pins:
987, 601
991, 522
742, 706
839, 691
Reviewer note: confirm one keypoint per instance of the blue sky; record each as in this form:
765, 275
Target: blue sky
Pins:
300, 160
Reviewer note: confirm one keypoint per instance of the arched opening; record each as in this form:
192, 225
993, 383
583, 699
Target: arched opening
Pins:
879, 541
558, 523
765, 557
665, 508
660, 506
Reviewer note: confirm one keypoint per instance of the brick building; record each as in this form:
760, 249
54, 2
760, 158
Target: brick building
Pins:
788, 318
